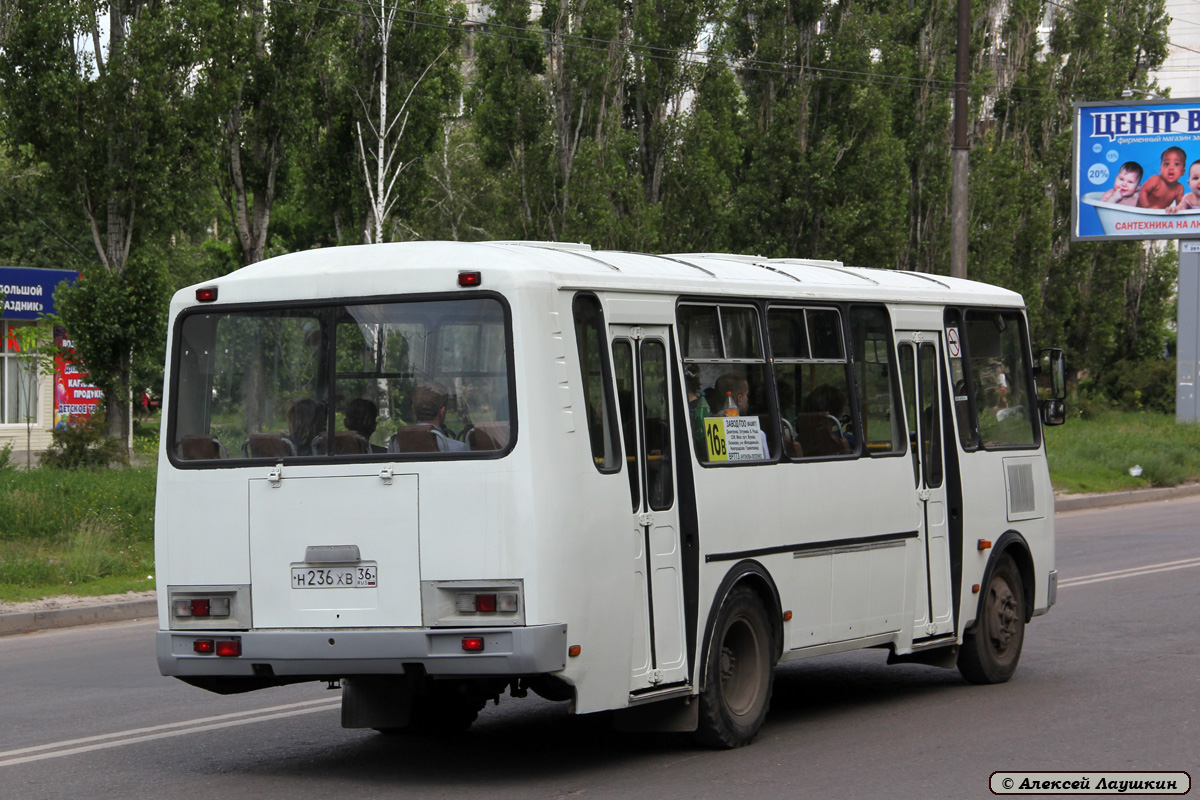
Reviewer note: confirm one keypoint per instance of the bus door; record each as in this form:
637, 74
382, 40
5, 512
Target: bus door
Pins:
641, 365
920, 375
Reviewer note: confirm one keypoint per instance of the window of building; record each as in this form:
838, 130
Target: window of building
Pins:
18, 379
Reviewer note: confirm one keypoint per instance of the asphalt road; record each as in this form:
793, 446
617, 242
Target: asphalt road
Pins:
1109, 680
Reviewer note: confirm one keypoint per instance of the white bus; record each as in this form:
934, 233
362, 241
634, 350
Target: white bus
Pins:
439, 472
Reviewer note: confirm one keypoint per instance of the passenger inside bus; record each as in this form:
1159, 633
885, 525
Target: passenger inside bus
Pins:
362, 417
306, 418
429, 434
819, 425
737, 387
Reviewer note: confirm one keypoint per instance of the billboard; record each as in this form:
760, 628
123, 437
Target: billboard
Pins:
1137, 170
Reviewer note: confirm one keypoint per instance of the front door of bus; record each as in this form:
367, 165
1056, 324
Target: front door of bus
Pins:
920, 376
641, 365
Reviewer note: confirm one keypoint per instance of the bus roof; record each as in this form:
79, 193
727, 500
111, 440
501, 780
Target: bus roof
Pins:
388, 269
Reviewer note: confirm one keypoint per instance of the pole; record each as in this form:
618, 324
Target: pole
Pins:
960, 151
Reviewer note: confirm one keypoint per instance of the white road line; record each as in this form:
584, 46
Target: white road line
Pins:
12, 757
1132, 572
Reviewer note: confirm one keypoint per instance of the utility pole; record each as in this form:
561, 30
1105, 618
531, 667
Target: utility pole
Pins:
960, 151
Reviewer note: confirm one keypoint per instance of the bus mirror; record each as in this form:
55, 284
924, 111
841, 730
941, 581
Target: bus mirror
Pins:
1054, 412
1052, 374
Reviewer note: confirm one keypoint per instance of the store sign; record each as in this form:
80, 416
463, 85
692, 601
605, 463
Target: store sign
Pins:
29, 293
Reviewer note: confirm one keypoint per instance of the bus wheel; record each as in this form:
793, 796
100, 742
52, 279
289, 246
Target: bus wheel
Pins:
738, 673
990, 652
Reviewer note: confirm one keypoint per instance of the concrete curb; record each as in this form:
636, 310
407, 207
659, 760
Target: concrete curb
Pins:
30, 621
1078, 503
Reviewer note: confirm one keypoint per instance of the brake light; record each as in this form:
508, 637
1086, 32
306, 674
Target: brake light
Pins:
488, 603
200, 607
206, 295
469, 279
229, 647
472, 644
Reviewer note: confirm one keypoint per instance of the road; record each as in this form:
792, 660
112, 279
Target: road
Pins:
1110, 680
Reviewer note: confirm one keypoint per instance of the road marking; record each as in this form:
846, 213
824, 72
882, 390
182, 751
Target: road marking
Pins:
1132, 572
70, 747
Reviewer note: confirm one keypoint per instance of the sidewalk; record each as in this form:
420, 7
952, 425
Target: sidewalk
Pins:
105, 610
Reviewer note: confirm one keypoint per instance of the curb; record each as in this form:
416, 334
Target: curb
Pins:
30, 621
1072, 503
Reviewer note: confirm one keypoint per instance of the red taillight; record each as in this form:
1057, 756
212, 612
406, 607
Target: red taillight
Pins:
485, 602
473, 644
206, 295
469, 279
205, 646
200, 608
229, 647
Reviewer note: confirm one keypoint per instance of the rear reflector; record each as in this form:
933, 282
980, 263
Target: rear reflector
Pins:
230, 647
205, 646
472, 644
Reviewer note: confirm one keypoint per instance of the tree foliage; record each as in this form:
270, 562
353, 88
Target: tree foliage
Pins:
787, 128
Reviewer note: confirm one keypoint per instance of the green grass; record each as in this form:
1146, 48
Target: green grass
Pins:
1095, 455
85, 532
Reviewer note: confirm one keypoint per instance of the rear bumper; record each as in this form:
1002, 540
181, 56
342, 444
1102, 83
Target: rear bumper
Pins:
532, 650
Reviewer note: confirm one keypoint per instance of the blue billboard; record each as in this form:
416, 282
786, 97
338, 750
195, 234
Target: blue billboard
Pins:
1137, 170
29, 293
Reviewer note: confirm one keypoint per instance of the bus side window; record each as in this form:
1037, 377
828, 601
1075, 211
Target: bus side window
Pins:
812, 382
597, 385
871, 339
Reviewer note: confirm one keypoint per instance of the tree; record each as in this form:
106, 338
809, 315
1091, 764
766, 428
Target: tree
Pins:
258, 83
115, 127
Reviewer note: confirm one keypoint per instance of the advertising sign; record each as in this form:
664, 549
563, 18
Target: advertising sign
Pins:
1137, 170
73, 395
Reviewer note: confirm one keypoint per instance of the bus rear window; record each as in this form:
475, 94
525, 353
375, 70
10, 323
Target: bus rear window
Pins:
343, 381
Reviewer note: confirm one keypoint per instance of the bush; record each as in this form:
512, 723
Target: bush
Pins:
1131, 386
6, 456
82, 445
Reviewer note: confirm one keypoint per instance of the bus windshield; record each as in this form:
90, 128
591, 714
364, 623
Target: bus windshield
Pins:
343, 381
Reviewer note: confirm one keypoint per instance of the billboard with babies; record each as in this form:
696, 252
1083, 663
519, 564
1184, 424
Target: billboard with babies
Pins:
1137, 170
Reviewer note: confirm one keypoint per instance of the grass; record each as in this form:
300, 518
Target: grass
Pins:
92, 532
1095, 455
86, 532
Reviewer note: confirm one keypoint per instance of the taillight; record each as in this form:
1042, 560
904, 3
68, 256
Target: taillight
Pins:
204, 646
488, 603
229, 647
472, 644
201, 607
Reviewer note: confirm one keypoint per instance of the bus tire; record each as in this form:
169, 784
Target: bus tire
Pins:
990, 652
739, 672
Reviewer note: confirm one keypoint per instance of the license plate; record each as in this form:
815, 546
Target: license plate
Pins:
355, 577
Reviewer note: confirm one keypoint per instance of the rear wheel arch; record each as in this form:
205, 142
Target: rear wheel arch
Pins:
754, 575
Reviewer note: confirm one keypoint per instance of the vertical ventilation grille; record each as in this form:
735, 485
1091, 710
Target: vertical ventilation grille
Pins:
1020, 488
